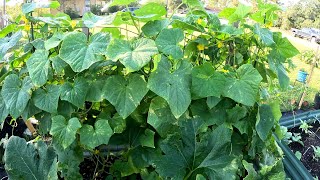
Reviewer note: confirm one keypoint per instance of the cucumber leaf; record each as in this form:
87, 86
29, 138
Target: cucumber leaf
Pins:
16, 94
64, 131
174, 86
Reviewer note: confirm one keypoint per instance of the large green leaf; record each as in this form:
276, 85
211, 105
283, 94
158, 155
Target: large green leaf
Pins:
146, 139
284, 46
97, 135
212, 101
187, 155
236, 113
177, 23
161, 118
193, 3
8, 43
275, 63
69, 160
95, 92
152, 28
16, 94
54, 41
244, 87
3, 110
27, 161
235, 14
30, 110
122, 2
125, 93
150, 11
7, 30
38, 67
168, 41
64, 131
133, 55
47, 99
252, 174
265, 121
91, 20
174, 86
265, 34
80, 54
58, 65
75, 93
206, 81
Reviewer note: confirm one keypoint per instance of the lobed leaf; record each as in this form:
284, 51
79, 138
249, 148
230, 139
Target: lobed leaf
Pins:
245, 87
47, 99
125, 93
38, 67
80, 54
27, 161
76, 92
174, 86
133, 55
64, 131
94, 136
16, 94
167, 42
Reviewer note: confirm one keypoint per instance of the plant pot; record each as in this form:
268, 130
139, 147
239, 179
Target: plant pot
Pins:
302, 76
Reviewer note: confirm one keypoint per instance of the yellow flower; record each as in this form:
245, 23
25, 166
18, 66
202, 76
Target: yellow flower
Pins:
213, 33
96, 151
220, 44
269, 24
199, 21
23, 18
224, 71
73, 23
200, 47
27, 27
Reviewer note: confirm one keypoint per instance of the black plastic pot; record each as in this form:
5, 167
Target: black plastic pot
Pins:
293, 166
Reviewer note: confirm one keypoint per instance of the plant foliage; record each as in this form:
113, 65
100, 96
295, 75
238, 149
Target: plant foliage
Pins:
183, 96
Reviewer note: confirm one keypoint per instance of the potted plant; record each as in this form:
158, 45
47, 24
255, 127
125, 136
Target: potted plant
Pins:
302, 75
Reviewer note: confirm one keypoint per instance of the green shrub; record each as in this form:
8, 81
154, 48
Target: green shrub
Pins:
181, 96
72, 13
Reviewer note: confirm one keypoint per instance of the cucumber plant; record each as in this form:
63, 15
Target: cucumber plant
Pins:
182, 95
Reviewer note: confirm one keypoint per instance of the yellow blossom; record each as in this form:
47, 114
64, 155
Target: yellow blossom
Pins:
220, 44
200, 47
96, 151
199, 21
213, 33
224, 70
269, 24
23, 18
27, 27
73, 23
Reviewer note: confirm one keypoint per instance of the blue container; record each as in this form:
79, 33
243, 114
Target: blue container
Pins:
302, 76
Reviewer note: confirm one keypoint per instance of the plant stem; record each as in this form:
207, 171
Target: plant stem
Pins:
174, 11
134, 22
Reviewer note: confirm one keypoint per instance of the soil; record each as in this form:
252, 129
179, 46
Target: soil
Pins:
3, 174
307, 151
88, 168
